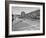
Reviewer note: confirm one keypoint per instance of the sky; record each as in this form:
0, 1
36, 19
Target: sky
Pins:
18, 10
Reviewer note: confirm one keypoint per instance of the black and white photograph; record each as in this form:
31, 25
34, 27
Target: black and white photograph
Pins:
25, 19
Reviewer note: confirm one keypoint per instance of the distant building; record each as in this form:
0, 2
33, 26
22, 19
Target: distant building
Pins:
31, 15
23, 14
35, 14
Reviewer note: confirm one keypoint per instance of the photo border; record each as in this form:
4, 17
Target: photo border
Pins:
7, 18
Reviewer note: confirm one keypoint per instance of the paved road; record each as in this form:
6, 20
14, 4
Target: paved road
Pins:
26, 25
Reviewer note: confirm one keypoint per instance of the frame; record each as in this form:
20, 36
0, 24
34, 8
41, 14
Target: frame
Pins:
37, 14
